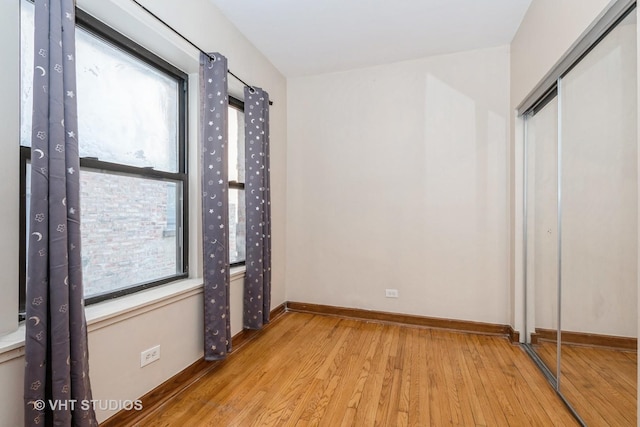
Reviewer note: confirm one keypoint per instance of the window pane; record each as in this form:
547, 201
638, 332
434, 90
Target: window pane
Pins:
129, 114
236, 145
237, 226
26, 71
135, 121
127, 110
27, 211
128, 231
128, 228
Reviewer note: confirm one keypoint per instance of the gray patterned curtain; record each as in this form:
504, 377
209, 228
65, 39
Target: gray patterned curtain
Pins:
57, 368
257, 288
215, 202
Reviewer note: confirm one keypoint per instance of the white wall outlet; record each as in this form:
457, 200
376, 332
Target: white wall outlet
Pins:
391, 293
150, 355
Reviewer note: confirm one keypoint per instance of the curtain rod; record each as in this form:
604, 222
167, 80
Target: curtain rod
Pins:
191, 43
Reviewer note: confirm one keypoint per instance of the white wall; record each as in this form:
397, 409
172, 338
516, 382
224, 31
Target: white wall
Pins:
10, 137
115, 343
174, 322
176, 325
11, 382
397, 178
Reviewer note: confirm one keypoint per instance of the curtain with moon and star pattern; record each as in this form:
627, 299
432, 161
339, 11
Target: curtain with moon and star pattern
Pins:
257, 286
57, 389
215, 204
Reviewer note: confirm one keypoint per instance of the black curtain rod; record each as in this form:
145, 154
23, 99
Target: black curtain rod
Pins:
191, 43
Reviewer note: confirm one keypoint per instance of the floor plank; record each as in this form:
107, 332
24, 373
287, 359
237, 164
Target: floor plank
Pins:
600, 383
314, 370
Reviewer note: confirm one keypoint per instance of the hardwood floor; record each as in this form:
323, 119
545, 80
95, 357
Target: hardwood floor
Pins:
307, 369
600, 383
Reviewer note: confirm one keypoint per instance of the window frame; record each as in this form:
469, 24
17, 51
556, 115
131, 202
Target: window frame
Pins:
112, 37
235, 185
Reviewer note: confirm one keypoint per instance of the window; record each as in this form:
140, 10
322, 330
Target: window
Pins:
133, 175
237, 212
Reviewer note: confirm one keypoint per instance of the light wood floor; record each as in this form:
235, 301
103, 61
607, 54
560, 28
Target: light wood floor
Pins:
308, 369
600, 383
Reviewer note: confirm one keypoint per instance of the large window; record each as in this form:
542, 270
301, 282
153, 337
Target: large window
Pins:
133, 177
237, 214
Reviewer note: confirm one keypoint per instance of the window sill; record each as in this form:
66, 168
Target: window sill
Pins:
108, 312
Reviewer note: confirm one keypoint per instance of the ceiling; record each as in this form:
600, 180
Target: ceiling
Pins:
313, 37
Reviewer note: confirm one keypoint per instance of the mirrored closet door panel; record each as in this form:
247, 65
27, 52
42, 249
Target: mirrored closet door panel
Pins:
598, 230
542, 231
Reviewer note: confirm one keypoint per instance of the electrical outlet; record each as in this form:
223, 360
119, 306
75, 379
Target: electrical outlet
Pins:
149, 355
391, 293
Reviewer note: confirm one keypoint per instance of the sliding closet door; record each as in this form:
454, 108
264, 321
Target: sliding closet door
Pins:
542, 232
598, 253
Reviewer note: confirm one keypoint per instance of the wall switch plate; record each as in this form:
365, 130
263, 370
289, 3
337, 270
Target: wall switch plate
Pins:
391, 293
149, 355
